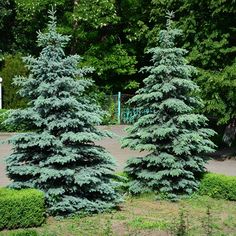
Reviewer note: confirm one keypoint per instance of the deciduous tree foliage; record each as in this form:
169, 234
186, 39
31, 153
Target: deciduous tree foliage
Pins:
173, 134
30, 17
112, 35
6, 16
97, 31
209, 35
13, 66
59, 155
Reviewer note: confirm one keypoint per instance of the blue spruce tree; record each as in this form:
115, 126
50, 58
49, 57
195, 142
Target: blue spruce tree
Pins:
172, 133
59, 155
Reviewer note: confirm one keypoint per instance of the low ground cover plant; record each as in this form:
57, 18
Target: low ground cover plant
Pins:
21, 208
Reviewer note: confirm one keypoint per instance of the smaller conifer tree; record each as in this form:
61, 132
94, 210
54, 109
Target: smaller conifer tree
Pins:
173, 134
59, 155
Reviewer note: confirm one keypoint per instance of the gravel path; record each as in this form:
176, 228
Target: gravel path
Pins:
227, 167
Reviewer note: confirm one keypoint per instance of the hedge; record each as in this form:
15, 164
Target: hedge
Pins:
21, 208
27, 232
218, 186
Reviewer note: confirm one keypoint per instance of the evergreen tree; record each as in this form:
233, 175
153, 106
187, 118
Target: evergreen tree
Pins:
172, 133
59, 155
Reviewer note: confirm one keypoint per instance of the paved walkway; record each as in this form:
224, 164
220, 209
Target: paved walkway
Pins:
227, 167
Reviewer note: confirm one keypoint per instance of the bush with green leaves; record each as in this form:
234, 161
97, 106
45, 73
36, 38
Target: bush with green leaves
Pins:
21, 208
26, 232
173, 134
108, 104
218, 186
59, 155
7, 127
3, 117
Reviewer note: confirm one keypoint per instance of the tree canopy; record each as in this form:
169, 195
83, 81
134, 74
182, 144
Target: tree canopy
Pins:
112, 36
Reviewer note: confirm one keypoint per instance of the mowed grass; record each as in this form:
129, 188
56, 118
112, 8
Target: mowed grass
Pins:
146, 216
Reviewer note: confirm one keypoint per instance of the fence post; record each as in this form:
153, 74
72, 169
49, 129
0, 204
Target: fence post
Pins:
119, 108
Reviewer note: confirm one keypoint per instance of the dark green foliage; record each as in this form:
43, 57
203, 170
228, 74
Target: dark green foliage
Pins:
218, 92
12, 66
209, 35
99, 37
29, 18
113, 35
7, 8
59, 155
21, 208
108, 103
173, 134
218, 186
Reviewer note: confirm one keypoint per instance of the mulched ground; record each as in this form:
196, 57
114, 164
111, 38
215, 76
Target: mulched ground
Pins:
227, 167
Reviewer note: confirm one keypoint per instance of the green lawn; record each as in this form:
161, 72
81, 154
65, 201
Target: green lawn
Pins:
146, 216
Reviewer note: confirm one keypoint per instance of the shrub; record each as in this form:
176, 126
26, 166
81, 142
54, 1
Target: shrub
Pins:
108, 103
3, 117
218, 186
21, 208
123, 182
4, 114
23, 233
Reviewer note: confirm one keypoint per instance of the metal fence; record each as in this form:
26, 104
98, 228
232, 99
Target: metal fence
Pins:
121, 112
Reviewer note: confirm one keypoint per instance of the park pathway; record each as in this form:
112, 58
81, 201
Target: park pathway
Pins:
227, 167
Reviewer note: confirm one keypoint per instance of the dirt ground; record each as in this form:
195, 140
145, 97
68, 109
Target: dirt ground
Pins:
227, 167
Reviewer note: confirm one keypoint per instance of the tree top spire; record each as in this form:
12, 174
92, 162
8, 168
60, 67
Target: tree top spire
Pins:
169, 15
52, 37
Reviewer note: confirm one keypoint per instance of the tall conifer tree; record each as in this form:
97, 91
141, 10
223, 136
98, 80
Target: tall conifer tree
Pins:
59, 155
173, 134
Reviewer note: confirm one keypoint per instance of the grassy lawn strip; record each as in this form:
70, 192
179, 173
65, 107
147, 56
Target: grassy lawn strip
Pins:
146, 216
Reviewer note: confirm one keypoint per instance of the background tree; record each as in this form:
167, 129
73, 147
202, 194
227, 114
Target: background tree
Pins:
30, 17
97, 30
172, 133
97, 34
13, 66
6, 17
112, 36
209, 35
58, 155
